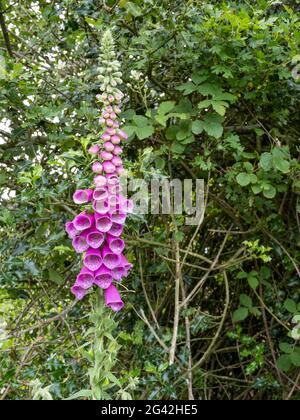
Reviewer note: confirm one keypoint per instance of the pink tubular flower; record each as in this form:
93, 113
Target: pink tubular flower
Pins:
122, 134
117, 150
116, 245
110, 260
80, 244
117, 161
103, 277
85, 278
100, 194
93, 150
106, 156
95, 239
111, 131
78, 291
108, 167
105, 137
97, 167
103, 223
100, 180
109, 147
83, 221
113, 299
82, 196
101, 206
115, 139
93, 259
71, 230
97, 232
116, 229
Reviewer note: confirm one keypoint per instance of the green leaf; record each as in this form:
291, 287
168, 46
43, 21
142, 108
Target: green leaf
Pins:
295, 358
253, 282
212, 125
165, 107
140, 120
205, 104
85, 393
160, 163
266, 161
246, 300
144, 132
209, 89
3, 73
219, 108
269, 191
256, 189
240, 314
286, 348
284, 363
171, 132
197, 127
179, 236
279, 160
291, 306
243, 179
133, 9
177, 148
55, 276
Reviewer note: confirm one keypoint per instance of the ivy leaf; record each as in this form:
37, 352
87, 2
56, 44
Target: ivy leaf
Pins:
243, 179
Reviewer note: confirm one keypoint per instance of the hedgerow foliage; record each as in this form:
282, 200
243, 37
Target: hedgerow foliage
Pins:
212, 93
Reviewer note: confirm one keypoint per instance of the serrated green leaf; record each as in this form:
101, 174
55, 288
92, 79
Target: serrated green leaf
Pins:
219, 108
246, 300
144, 132
253, 282
165, 107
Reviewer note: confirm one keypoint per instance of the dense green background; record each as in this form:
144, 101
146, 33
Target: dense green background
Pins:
211, 94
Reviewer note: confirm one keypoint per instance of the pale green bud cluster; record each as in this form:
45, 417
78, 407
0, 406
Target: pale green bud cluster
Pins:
109, 72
